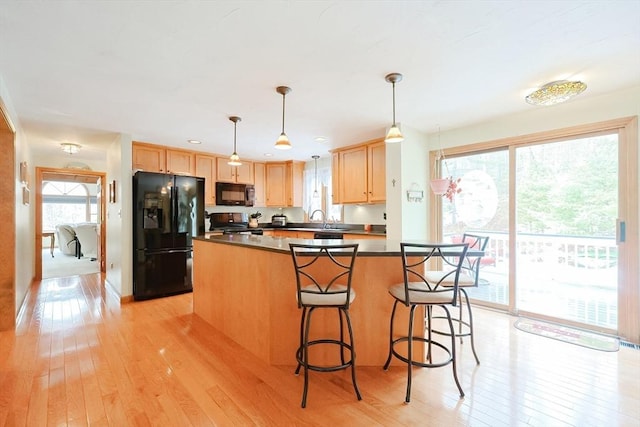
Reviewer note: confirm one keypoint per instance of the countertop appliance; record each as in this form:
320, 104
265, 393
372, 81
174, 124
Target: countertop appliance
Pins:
279, 220
231, 194
232, 223
168, 210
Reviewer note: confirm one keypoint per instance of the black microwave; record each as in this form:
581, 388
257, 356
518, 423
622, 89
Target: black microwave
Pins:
230, 194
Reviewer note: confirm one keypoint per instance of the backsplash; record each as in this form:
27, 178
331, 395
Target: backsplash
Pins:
353, 214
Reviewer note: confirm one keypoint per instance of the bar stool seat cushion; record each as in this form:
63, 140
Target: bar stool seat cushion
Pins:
429, 297
446, 278
315, 297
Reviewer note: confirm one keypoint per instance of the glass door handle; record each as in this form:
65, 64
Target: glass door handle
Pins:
621, 231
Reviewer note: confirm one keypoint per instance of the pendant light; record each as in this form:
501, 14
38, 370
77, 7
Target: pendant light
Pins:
283, 141
234, 159
315, 158
394, 134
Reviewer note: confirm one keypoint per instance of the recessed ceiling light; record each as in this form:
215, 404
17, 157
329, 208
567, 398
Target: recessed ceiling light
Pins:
320, 139
268, 154
193, 141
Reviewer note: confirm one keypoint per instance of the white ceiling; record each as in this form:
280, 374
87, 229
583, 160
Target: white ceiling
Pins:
169, 71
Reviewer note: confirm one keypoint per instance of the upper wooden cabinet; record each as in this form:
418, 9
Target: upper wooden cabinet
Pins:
284, 184
259, 182
150, 158
241, 174
181, 162
336, 181
358, 173
206, 168
376, 172
156, 158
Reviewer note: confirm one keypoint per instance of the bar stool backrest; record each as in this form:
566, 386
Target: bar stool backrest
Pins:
324, 273
418, 258
471, 264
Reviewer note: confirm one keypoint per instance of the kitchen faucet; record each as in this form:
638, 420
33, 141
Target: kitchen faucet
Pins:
324, 216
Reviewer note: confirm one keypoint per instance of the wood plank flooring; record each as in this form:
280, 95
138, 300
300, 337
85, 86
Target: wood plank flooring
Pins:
78, 358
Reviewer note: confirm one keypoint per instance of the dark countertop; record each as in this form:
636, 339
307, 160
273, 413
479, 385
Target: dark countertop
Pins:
327, 230
367, 247
376, 230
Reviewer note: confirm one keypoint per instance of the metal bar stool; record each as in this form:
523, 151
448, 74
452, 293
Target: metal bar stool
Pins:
469, 278
417, 290
323, 279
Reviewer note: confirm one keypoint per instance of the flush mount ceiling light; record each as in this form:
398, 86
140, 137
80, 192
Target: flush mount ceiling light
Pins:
315, 158
70, 148
193, 141
234, 159
283, 141
556, 92
394, 134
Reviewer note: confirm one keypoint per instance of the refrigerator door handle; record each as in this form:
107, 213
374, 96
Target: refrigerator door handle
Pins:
168, 251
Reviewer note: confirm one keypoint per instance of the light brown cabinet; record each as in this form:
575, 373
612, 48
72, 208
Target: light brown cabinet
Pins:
284, 184
241, 174
358, 173
206, 168
149, 158
259, 182
336, 180
180, 162
376, 172
156, 158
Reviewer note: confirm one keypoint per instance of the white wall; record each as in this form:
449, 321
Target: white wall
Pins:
407, 169
24, 214
119, 217
61, 161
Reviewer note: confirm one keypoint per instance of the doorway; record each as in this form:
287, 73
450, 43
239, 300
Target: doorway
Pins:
556, 207
92, 259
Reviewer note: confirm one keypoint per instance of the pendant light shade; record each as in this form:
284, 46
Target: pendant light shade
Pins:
394, 134
315, 158
234, 159
283, 141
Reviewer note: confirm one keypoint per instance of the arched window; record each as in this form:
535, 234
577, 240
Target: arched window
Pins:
67, 203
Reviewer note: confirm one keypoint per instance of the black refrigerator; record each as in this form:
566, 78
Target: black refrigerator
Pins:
168, 210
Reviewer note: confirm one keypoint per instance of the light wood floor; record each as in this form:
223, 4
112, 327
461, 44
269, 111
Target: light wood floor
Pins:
77, 357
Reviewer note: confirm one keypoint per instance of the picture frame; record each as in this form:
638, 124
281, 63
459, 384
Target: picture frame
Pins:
112, 191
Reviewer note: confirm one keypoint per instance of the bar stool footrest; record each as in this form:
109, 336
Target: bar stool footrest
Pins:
325, 368
465, 333
403, 358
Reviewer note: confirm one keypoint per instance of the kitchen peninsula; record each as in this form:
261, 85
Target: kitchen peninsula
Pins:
244, 286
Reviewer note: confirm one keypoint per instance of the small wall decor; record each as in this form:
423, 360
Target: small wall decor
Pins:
414, 193
112, 191
25, 195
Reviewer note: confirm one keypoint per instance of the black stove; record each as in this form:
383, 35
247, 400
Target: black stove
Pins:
232, 223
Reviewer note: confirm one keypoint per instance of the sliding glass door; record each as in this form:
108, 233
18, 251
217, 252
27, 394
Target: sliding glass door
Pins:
556, 207
482, 207
566, 211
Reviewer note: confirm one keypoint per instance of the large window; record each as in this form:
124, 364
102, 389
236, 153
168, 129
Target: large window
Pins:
67, 202
316, 195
